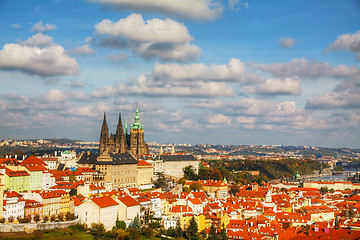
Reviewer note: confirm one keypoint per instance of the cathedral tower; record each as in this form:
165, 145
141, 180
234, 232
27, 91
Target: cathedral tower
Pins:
121, 145
121, 142
104, 136
137, 141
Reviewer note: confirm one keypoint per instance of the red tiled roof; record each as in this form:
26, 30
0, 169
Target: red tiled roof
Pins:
143, 163
181, 208
36, 168
11, 194
195, 201
77, 201
104, 201
12, 173
32, 161
129, 201
9, 161
29, 203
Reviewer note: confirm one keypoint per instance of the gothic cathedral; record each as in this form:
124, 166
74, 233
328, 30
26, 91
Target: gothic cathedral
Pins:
122, 141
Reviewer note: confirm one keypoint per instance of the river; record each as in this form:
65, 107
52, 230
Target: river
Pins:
335, 178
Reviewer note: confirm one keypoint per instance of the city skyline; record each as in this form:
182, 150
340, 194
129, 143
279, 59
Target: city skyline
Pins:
201, 72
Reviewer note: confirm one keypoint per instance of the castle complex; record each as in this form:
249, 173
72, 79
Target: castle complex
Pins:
122, 142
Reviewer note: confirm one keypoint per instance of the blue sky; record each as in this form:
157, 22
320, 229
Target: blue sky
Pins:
200, 71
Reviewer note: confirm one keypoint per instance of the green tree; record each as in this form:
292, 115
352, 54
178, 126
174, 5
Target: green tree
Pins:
234, 189
161, 180
120, 224
72, 178
70, 216
212, 234
192, 230
182, 181
136, 223
134, 234
11, 219
178, 230
190, 173
197, 186
37, 218
98, 230
73, 192
223, 234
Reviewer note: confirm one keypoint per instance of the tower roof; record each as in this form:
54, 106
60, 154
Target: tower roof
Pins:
137, 124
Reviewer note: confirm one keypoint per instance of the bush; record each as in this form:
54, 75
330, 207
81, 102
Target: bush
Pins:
79, 227
11, 219
148, 232
70, 216
97, 229
2, 220
37, 218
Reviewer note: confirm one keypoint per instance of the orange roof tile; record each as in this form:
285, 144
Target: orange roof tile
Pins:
104, 201
129, 201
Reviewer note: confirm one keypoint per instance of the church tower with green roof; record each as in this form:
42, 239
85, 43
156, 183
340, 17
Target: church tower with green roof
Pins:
137, 139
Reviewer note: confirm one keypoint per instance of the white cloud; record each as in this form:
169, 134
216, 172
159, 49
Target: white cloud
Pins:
190, 80
349, 42
145, 86
333, 100
165, 39
302, 68
287, 86
38, 55
38, 40
234, 71
89, 110
217, 119
117, 58
55, 95
235, 5
40, 27
83, 50
193, 9
16, 25
286, 42
77, 84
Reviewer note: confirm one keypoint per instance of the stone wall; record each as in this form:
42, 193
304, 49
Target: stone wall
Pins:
30, 227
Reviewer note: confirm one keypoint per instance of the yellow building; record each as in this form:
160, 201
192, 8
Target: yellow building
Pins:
185, 219
119, 169
144, 173
64, 201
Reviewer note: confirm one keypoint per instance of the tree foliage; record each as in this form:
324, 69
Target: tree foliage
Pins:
161, 180
190, 173
192, 230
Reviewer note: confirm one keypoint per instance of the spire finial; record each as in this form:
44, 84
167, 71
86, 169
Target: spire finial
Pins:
126, 125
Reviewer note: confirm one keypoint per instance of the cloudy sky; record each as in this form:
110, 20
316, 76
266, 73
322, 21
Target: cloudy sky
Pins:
201, 71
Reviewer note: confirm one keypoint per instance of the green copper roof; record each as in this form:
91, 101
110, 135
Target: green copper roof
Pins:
126, 126
137, 124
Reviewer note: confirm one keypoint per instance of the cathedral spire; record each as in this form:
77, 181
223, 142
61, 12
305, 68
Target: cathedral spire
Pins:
120, 142
104, 135
126, 126
137, 124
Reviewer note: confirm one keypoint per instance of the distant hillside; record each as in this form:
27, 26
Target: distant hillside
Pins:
61, 140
